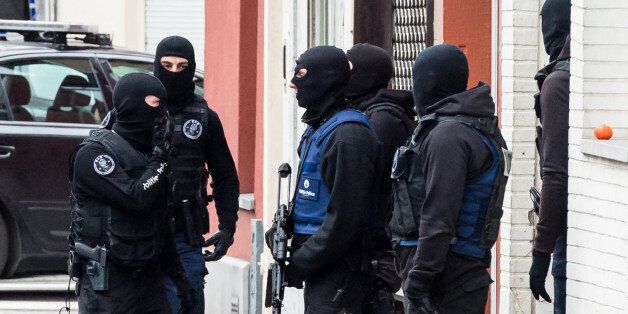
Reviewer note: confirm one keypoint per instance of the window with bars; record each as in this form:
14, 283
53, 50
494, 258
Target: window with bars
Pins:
413, 22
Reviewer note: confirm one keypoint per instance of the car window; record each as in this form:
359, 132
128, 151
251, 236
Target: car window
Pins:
122, 67
61, 90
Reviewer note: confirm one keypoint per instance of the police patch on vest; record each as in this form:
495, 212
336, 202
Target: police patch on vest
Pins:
309, 189
192, 129
104, 165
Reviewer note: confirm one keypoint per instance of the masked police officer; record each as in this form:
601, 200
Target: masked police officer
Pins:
199, 149
552, 108
336, 185
121, 246
391, 113
456, 163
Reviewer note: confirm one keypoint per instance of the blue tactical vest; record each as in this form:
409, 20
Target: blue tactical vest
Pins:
312, 194
475, 202
479, 216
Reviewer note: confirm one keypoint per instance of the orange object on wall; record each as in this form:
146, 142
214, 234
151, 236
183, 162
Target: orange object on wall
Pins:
467, 24
233, 88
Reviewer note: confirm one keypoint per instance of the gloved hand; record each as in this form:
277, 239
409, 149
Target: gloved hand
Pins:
162, 133
293, 277
184, 292
538, 273
221, 241
160, 153
420, 305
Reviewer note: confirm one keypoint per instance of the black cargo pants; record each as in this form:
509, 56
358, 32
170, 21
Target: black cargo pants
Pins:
130, 291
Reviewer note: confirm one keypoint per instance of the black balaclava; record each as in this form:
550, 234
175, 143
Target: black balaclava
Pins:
322, 89
179, 85
372, 70
438, 72
135, 119
555, 22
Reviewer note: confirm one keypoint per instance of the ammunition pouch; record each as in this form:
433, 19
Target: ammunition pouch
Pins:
408, 194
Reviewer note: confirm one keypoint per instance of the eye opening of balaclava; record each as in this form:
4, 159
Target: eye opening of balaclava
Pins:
179, 85
555, 24
438, 72
372, 71
321, 90
135, 119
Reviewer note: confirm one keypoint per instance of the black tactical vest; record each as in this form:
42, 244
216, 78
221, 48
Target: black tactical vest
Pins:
562, 65
188, 179
132, 241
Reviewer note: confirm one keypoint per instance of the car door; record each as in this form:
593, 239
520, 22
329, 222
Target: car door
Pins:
51, 103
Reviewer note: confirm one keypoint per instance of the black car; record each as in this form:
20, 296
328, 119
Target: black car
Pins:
52, 93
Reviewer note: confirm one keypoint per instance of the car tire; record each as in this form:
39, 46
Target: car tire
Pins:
4, 244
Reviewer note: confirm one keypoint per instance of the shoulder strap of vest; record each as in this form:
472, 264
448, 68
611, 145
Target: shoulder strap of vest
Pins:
344, 116
197, 109
483, 124
115, 145
561, 65
177, 118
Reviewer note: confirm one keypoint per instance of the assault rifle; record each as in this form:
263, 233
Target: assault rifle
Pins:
276, 273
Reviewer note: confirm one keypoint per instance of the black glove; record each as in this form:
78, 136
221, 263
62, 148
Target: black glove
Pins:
162, 133
538, 272
421, 305
221, 241
160, 153
184, 292
293, 277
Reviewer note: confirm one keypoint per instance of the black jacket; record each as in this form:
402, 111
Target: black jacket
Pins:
225, 184
393, 127
349, 167
390, 128
450, 155
144, 196
555, 120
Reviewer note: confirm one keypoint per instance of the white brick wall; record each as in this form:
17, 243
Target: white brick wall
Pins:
597, 251
519, 62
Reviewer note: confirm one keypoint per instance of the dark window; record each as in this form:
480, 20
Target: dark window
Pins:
60, 90
402, 27
122, 67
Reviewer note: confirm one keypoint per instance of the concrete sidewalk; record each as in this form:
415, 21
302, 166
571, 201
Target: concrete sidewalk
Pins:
36, 294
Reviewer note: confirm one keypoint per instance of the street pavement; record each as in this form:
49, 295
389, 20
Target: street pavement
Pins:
36, 294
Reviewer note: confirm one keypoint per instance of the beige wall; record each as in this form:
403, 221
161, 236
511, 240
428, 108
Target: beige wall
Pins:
123, 19
597, 238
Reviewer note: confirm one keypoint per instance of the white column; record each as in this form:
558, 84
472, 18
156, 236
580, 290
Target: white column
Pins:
519, 63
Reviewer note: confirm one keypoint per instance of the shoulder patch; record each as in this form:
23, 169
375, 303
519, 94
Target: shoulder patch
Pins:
192, 129
104, 165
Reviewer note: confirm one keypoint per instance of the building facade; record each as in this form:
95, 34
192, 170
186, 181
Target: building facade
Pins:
249, 51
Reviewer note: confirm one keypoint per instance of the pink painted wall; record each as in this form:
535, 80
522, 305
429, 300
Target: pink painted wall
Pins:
233, 88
